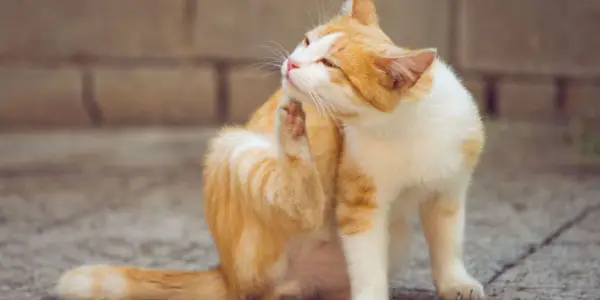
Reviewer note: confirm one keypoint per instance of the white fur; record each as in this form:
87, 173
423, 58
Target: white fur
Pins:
410, 153
242, 142
78, 284
113, 285
367, 257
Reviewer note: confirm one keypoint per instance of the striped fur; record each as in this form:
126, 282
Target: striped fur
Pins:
267, 202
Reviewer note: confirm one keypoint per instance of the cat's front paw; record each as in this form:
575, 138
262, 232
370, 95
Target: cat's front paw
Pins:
467, 289
292, 119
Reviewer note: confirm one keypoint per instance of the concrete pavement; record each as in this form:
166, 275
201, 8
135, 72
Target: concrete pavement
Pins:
133, 197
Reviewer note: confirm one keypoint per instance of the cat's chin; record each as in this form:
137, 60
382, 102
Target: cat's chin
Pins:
292, 91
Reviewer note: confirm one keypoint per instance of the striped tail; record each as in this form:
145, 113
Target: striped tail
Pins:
129, 283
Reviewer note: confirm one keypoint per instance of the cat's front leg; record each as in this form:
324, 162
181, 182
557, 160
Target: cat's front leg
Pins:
443, 220
299, 183
363, 226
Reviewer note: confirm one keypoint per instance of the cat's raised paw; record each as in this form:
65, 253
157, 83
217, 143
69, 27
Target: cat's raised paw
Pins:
293, 118
468, 291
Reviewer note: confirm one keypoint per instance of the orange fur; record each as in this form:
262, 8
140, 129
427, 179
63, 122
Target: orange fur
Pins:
472, 148
356, 203
273, 226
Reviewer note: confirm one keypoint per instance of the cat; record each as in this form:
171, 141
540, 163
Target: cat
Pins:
267, 197
411, 138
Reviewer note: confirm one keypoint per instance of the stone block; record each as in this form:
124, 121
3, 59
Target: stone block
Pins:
522, 100
65, 28
583, 100
417, 23
249, 88
156, 96
237, 29
532, 36
33, 97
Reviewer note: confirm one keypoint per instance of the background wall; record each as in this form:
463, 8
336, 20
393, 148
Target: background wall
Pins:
167, 62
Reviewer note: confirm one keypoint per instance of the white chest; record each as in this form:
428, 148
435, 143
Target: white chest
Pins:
399, 164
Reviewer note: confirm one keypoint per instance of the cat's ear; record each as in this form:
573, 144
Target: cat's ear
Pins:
404, 68
361, 10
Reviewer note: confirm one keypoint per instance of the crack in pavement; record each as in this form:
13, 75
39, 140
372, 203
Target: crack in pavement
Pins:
545, 242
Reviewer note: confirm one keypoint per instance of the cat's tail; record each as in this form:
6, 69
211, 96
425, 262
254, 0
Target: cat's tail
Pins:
129, 283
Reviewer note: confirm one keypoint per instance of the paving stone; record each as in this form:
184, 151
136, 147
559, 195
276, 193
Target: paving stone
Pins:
66, 28
249, 89
525, 37
40, 97
521, 194
156, 96
519, 100
237, 29
34, 203
565, 269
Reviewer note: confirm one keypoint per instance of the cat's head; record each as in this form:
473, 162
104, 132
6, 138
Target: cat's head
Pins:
349, 67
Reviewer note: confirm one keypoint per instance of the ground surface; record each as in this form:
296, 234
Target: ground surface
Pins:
133, 197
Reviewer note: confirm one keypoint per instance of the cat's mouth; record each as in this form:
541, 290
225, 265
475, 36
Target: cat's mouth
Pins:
292, 87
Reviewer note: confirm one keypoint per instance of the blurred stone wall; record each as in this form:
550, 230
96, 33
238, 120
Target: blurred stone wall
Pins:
193, 62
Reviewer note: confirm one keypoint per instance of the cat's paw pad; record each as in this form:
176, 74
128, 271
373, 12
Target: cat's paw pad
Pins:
463, 291
293, 118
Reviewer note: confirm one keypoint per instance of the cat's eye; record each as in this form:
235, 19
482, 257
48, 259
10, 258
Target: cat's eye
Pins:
306, 42
327, 63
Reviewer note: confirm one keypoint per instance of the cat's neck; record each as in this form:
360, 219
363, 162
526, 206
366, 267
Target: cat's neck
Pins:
446, 100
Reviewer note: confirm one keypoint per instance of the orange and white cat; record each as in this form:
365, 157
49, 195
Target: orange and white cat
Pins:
411, 138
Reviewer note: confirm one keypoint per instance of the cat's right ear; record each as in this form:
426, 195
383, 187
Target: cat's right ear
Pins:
362, 11
403, 67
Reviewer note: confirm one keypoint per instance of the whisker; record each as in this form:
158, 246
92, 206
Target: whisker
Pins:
277, 56
274, 50
318, 105
312, 95
281, 48
330, 111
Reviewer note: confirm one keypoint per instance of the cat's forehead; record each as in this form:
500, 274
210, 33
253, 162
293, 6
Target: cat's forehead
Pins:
321, 46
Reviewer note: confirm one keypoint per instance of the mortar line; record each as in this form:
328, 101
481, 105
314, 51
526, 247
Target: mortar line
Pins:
549, 239
88, 98
491, 95
199, 61
561, 85
222, 106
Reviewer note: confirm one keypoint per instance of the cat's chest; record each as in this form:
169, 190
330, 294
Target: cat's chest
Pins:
403, 163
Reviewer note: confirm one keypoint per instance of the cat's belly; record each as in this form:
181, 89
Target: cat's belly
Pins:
317, 263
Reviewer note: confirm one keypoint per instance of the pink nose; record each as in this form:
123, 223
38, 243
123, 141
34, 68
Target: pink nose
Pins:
291, 65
